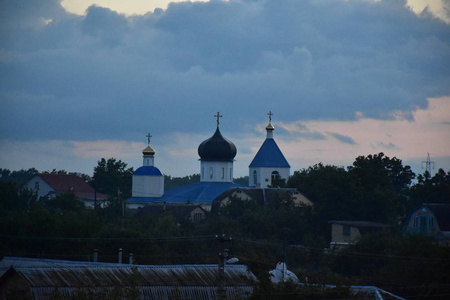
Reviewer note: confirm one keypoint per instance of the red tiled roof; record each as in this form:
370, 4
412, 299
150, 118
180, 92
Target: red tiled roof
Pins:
64, 183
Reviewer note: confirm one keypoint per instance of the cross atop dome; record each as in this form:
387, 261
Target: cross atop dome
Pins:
269, 127
270, 114
148, 151
218, 116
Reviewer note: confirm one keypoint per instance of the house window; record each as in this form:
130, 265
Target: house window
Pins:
211, 172
198, 217
255, 178
346, 230
431, 222
223, 173
416, 222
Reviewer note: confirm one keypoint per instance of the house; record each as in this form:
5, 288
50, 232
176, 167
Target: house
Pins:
431, 220
51, 185
345, 233
39, 279
261, 196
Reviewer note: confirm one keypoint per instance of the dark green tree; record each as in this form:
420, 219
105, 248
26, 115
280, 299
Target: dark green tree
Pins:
381, 187
64, 202
14, 198
112, 177
241, 180
19, 177
331, 190
429, 189
174, 182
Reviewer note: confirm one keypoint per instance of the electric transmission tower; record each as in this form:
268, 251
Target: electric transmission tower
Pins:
428, 164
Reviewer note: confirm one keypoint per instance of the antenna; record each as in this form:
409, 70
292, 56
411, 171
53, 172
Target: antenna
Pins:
428, 164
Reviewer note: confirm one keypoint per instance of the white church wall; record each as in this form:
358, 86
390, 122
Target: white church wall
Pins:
216, 171
264, 176
148, 161
148, 186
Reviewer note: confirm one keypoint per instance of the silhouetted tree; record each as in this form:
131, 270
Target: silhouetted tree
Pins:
429, 189
19, 177
112, 177
381, 187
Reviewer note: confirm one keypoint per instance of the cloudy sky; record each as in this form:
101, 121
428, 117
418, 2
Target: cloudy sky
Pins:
81, 80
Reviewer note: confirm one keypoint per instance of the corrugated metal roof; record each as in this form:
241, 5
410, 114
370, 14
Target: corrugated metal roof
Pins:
9, 261
152, 281
63, 273
269, 155
200, 192
159, 292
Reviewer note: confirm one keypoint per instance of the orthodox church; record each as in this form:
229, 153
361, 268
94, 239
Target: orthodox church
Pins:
269, 163
216, 172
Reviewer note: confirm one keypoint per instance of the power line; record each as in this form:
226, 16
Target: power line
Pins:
106, 239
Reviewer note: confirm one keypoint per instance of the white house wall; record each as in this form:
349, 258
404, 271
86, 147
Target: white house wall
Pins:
43, 190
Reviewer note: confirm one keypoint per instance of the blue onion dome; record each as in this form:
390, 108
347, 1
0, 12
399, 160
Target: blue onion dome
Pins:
217, 148
147, 171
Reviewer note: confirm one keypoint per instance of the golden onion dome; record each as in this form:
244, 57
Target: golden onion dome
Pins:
270, 127
148, 151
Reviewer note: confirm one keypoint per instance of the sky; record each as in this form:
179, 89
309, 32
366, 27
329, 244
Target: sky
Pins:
83, 80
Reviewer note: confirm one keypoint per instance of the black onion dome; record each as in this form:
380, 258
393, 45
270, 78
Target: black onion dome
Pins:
217, 148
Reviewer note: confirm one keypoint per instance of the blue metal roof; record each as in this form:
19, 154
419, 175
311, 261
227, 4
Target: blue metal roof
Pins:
269, 155
148, 171
201, 192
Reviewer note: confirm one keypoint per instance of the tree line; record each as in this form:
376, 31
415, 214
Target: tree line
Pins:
374, 188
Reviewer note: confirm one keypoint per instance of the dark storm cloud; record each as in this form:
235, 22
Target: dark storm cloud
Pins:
105, 75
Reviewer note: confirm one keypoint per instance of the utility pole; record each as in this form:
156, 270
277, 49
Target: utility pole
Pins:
223, 254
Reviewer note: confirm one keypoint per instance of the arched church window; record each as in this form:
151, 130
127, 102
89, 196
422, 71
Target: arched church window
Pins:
203, 172
274, 176
255, 178
223, 173
211, 172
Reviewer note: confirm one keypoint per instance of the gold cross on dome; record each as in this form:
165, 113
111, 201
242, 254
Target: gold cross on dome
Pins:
148, 138
270, 114
218, 116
